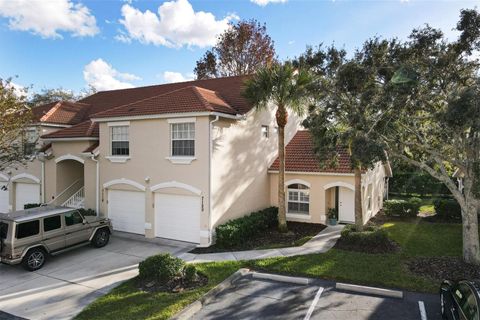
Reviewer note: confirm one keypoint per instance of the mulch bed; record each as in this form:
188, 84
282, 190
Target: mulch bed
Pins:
177, 285
272, 237
386, 247
440, 268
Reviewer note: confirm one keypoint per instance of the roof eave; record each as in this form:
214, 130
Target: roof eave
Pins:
170, 115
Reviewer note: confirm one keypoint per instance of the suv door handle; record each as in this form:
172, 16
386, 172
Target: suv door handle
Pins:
67, 233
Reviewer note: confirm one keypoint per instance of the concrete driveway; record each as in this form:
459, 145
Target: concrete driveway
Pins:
69, 282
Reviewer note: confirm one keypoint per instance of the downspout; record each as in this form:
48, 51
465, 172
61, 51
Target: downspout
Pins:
210, 156
43, 181
41, 158
97, 182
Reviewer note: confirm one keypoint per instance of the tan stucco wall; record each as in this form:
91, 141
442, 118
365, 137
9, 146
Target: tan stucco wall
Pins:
148, 166
321, 199
318, 194
375, 178
241, 158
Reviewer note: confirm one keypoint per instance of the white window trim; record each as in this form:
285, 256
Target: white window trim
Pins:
182, 120
267, 131
181, 159
298, 201
118, 124
118, 158
299, 216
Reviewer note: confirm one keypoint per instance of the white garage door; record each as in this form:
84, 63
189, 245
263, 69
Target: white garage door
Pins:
126, 209
26, 193
3, 197
177, 217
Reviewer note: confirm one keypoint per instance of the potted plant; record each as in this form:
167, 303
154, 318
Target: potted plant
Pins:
332, 216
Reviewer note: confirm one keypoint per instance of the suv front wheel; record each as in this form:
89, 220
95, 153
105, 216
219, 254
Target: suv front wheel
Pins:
34, 259
101, 238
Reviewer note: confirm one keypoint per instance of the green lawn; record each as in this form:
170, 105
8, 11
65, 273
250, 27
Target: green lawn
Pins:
387, 270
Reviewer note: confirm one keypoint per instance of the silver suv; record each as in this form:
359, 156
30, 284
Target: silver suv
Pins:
29, 236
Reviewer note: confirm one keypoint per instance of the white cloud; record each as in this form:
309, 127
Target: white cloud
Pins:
171, 76
263, 3
48, 18
175, 25
102, 76
18, 89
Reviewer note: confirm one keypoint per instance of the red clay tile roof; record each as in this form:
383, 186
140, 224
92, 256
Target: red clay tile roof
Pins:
86, 129
188, 99
229, 88
40, 111
66, 112
92, 147
45, 147
300, 157
221, 95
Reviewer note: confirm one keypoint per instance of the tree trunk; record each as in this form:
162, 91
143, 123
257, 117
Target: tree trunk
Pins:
471, 249
358, 199
281, 116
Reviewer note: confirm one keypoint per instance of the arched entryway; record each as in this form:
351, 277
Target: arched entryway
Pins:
69, 190
341, 196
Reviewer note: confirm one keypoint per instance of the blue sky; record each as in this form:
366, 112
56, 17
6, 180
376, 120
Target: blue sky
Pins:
113, 44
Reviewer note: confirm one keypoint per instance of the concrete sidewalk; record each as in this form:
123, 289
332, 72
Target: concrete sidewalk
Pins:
321, 243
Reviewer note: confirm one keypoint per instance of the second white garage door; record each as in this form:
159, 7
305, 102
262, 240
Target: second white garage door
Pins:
126, 209
177, 217
26, 193
4, 201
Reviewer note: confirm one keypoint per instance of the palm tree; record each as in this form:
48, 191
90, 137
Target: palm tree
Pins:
288, 89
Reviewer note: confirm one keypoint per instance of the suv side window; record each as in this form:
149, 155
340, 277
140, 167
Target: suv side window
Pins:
52, 223
467, 301
27, 229
72, 218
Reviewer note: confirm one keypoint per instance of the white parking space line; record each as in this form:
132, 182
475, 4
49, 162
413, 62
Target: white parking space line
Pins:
314, 303
423, 312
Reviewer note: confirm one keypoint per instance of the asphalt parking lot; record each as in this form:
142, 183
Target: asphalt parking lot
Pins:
248, 298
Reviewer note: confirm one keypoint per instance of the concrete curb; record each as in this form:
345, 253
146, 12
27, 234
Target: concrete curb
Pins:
194, 307
280, 278
370, 290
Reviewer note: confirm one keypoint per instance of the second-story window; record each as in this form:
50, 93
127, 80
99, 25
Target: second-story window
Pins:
120, 141
30, 142
183, 139
265, 132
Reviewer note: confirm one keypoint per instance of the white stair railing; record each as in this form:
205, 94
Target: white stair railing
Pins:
76, 200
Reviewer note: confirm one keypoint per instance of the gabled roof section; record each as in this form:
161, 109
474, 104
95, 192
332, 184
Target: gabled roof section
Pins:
300, 157
223, 95
91, 148
86, 129
229, 88
184, 100
66, 112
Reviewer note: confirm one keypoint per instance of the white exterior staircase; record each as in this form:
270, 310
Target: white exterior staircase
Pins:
77, 200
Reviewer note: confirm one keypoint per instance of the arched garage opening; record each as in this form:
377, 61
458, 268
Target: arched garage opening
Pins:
26, 190
178, 207
126, 205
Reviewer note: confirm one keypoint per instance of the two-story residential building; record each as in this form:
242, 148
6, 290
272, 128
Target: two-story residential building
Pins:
176, 160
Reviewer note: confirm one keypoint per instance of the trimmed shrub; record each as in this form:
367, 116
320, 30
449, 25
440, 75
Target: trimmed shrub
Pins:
447, 209
190, 273
371, 235
31, 205
162, 268
402, 208
416, 182
235, 231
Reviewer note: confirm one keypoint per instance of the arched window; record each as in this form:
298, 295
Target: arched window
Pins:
298, 199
